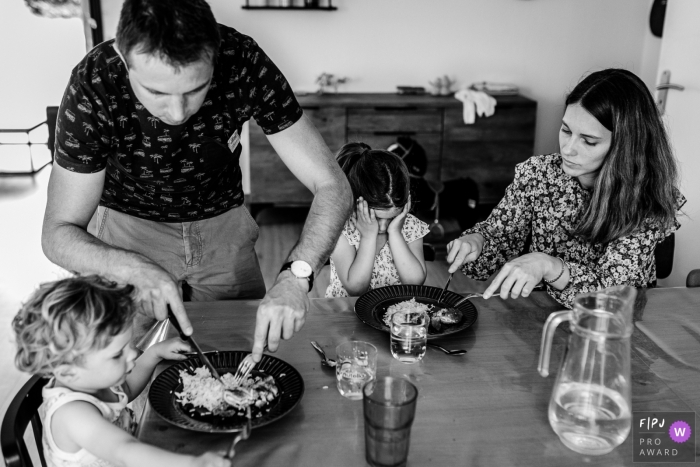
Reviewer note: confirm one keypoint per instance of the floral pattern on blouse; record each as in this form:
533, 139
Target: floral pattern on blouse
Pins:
384, 272
548, 203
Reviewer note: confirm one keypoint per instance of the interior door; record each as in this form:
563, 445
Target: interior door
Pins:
680, 54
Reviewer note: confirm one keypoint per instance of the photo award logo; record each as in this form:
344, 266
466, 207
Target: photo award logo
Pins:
664, 436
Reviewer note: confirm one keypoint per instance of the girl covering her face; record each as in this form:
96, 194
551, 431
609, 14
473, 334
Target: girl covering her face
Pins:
381, 243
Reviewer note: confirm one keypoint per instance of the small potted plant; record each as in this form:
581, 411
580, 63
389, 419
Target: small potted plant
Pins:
328, 80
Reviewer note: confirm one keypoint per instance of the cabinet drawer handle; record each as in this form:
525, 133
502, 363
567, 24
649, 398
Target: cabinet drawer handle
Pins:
394, 133
411, 107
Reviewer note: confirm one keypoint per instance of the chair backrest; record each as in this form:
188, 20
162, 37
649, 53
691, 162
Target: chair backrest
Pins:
663, 254
693, 279
22, 411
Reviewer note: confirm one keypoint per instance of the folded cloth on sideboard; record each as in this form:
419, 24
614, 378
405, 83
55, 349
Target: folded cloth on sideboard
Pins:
475, 103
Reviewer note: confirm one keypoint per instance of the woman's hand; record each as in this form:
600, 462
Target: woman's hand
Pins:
520, 275
366, 220
171, 349
396, 224
464, 250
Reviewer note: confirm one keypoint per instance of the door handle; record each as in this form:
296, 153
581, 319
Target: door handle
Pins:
663, 88
677, 87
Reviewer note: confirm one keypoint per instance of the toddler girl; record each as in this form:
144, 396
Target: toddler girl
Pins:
381, 244
78, 332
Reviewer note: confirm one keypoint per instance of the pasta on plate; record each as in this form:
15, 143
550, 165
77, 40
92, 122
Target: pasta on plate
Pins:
202, 390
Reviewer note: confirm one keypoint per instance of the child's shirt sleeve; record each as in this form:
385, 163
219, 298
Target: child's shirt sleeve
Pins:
350, 232
414, 228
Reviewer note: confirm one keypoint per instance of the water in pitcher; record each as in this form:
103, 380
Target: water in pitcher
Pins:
589, 418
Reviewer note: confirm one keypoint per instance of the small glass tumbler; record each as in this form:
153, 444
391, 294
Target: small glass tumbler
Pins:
409, 335
356, 366
389, 408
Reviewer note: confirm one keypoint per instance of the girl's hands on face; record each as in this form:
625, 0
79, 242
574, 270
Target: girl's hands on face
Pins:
396, 224
171, 349
519, 276
366, 220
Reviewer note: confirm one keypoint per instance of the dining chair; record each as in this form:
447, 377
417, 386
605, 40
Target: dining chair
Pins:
23, 410
663, 255
22, 137
693, 279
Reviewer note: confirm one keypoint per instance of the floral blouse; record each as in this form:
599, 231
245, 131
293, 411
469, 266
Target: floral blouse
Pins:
384, 272
547, 203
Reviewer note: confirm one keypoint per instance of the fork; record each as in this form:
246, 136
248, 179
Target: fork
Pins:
243, 370
467, 297
241, 435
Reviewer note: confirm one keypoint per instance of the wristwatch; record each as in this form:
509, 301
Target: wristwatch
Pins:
301, 269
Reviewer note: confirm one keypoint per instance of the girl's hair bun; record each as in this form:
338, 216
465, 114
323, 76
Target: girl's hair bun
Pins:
380, 177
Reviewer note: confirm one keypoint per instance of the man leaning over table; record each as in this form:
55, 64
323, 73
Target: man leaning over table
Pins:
148, 133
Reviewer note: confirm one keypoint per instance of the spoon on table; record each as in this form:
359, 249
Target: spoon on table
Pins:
455, 352
325, 361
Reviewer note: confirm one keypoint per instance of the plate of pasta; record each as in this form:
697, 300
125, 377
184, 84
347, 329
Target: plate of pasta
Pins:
376, 307
186, 395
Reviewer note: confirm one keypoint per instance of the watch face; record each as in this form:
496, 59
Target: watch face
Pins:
301, 269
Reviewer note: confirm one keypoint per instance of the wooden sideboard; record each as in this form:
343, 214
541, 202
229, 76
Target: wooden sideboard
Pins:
486, 151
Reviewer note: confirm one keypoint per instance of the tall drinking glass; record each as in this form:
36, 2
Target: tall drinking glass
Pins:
356, 366
409, 335
389, 407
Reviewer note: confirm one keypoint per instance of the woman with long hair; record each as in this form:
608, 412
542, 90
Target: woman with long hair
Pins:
594, 212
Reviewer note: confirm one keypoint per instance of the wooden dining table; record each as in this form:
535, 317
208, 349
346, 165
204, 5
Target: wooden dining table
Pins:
488, 407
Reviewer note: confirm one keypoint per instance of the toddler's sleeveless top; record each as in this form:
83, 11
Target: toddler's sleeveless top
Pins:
116, 413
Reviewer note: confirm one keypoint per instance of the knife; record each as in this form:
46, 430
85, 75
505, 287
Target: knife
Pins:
203, 358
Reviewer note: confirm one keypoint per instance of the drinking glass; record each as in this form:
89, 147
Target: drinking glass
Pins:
356, 366
389, 407
409, 335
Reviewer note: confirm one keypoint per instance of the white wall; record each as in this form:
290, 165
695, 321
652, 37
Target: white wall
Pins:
36, 58
544, 46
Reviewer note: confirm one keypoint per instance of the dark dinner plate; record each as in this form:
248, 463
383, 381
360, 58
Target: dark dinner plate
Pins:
164, 401
372, 306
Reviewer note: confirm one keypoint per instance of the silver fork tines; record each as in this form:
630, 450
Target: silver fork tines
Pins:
244, 369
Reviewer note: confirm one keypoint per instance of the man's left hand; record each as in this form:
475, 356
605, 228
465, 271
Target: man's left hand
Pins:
281, 313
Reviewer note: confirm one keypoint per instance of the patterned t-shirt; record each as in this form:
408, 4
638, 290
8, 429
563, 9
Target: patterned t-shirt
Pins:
548, 204
161, 172
384, 272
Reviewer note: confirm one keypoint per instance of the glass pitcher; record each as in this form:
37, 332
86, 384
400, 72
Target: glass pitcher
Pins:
590, 408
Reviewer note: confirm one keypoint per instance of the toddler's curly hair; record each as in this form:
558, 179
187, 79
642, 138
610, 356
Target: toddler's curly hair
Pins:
63, 320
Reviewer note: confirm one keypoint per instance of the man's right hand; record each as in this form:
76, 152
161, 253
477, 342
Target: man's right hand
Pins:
155, 289
464, 250
71, 202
